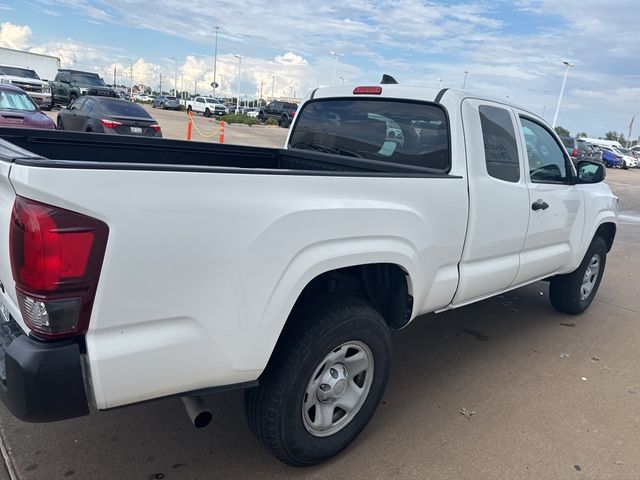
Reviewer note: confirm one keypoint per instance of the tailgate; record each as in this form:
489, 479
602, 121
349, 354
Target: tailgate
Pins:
11, 324
8, 153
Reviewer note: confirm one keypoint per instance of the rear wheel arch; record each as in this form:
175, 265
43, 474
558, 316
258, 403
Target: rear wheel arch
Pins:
386, 286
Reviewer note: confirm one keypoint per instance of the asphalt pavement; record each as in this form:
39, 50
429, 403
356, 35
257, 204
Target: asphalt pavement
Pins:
547, 396
174, 126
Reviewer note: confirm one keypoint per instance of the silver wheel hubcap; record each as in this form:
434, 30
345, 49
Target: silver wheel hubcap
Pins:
337, 389
590, 277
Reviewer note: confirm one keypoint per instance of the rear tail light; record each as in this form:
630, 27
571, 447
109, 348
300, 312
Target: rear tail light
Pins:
375, 90
110, 123
156, 127
574, 154
56, 257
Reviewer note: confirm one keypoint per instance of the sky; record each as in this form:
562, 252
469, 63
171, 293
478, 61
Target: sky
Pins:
513, 49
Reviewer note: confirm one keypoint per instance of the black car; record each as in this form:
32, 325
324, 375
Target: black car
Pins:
108, 115
281, 111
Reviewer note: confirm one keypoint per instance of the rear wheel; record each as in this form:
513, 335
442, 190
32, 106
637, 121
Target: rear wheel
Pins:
284, 121
59, 124
574, 292
207, 112
323, 384
72, 98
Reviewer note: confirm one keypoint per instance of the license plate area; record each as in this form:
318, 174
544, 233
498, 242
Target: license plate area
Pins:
137, 130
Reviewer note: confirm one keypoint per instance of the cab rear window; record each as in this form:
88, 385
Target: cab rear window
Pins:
405, 132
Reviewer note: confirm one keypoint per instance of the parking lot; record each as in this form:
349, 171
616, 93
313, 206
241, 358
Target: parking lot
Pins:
552, 396
174, 125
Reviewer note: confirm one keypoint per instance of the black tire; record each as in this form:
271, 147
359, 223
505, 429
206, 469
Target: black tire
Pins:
72, 98
284, 121
207, 112
274, 409
565, 291
59, 124
261, 117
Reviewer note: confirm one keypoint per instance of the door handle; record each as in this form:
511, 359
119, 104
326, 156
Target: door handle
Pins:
539, 205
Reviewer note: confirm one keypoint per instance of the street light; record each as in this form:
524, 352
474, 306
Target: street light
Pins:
464, 82
175, 77
335, 64
215, 63
564, 81
239, 67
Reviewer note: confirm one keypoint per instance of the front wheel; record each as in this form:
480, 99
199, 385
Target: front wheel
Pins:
323, 384
573, 293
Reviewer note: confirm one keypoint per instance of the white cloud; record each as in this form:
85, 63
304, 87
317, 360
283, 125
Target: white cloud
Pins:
14, 36
290, 58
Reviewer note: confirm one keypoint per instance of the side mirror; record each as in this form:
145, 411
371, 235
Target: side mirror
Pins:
590, 172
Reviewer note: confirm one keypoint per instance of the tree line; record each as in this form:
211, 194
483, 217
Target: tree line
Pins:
610, 135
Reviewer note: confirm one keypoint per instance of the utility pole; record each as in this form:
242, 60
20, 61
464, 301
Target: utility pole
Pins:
273, 84
114, 76
564, 81
160, 87
175, 77
464, 82
335, 64
260, 99
215, 63
239, 71
182, 84
630, 128
131, 79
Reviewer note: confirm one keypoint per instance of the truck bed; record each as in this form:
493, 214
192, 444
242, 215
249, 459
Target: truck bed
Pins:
79, 150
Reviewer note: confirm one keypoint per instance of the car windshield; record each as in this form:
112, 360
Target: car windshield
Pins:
88, 80
19, 72
171, 98
212, 100
410, 133
122, 108
16, 101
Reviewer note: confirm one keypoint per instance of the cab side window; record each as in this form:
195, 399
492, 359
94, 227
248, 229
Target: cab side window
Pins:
547, 163
500, 146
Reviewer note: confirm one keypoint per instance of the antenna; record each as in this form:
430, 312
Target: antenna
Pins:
387, 80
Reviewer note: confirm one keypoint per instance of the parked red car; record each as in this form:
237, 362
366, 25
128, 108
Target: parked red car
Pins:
18, 110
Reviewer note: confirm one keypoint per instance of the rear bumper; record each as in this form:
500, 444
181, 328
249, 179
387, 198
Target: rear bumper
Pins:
42, 382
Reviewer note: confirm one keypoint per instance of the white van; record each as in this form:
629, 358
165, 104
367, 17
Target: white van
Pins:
600, 142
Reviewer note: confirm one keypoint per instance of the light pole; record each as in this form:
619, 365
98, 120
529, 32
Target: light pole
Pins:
239, 67
464, 82
273, 84
215, 63
335, 64
175, 76
131, 77
568, 65
343, 79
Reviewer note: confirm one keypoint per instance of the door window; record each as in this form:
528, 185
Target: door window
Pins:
77, 105
88, 105
547, 162
500, 147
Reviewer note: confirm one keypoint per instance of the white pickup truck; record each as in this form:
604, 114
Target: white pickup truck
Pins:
134, 269
207, 106
28, 80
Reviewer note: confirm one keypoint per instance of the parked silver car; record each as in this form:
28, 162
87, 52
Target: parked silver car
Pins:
166, 103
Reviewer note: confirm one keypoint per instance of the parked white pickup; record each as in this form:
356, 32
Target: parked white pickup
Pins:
206, 106
143, 268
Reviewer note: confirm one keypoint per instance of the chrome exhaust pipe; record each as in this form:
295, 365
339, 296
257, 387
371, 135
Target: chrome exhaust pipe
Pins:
197, 410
